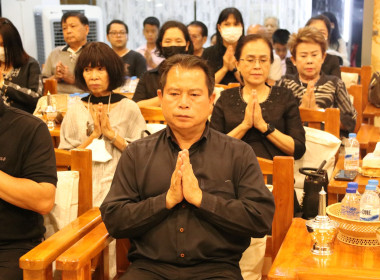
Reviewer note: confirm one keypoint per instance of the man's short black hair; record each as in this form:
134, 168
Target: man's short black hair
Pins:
281, 36
82, 18
96, 54
118, 21
187, 61
152, 21
201, 25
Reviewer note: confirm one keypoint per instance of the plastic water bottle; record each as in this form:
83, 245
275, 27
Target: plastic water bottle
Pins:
351, 158
369, 204
376, 183
350, 205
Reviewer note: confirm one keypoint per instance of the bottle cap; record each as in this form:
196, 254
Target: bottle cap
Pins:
353, 185
350, 190
373, 182
352, 135
370, 187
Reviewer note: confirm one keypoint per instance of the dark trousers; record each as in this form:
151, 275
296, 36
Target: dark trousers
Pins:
149, 270
10, 254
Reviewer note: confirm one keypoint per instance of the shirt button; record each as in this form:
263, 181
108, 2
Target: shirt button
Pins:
183, 205
182, 255
181, 229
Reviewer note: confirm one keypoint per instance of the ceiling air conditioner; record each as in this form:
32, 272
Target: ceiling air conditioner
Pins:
49, 34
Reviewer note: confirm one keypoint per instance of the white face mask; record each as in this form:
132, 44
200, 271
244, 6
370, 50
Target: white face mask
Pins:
2, 54
231, 34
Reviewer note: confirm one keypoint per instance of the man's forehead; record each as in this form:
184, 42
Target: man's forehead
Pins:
177, 72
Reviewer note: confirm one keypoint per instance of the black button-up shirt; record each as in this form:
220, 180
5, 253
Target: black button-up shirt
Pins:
236, 204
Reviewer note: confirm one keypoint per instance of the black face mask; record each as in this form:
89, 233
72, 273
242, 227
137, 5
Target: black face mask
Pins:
170, 51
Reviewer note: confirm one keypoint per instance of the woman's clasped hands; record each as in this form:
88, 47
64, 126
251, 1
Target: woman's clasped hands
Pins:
102, 126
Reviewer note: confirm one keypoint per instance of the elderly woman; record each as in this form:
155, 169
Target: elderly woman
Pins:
331, 63
103, 121
20, 85
265, 117
311, 86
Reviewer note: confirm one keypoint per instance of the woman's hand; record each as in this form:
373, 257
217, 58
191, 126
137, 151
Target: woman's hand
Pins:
96, 118
308, 99
249, 114
258, 120
105, 123
229, 60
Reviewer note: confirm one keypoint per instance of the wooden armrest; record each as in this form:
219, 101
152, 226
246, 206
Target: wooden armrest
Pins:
87, 248
37, 263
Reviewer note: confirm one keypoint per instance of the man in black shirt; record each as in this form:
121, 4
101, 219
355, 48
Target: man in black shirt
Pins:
27, 185
188, 197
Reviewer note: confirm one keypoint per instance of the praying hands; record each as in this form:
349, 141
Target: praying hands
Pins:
184, 184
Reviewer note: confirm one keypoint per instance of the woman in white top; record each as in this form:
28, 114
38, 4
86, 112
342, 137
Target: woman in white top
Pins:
103, 121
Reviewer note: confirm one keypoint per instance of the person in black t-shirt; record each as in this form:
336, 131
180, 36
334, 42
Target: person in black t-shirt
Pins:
117, 35
27, 185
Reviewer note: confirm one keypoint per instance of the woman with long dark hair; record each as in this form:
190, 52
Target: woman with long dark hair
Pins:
336, 42
221, 57
20, 84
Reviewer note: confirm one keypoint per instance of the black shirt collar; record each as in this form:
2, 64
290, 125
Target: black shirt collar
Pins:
170, 136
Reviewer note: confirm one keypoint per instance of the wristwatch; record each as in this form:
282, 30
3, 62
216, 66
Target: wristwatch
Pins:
270, 129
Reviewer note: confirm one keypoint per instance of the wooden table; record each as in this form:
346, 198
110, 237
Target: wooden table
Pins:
336, 188
295, 258
371, 112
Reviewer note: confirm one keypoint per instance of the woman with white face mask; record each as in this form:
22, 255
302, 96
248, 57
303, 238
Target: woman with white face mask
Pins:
229, 29
20, 85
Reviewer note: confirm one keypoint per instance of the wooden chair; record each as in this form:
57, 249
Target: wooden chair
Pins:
364, 73
153, 114
356, 92
315, 118
37, 263
75, 263
283, 191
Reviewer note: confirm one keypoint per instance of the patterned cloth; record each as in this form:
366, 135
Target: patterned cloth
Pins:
330, 92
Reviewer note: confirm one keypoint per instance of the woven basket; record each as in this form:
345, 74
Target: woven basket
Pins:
359, 233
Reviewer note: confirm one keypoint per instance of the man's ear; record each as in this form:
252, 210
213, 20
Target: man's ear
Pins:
204, 40
211, 104
87, 29
187, 46
159, 94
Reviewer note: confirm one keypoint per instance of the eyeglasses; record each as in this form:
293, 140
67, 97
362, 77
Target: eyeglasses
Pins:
114, 33
252, 60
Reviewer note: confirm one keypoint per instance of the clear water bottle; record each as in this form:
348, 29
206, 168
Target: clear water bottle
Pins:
369, 204
350, 205
351, 158
376, 183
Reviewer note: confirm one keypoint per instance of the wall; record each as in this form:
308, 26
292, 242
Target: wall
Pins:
375, 53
